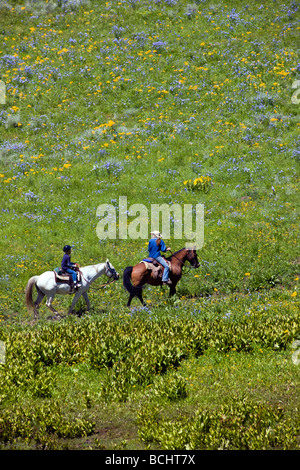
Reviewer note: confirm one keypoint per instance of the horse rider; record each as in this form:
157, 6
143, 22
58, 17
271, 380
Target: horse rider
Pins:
68, 267
155, 246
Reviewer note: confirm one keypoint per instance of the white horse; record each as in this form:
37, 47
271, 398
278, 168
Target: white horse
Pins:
46, 285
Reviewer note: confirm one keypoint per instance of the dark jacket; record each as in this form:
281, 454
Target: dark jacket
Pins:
66, 262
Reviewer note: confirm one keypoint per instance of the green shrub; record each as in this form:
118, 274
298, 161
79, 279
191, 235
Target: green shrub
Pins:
241, 424
39, 423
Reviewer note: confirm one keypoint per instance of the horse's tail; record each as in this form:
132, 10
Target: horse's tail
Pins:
28, 292
127, 282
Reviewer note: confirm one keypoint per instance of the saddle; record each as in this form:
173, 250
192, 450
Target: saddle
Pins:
62, 276
153, 265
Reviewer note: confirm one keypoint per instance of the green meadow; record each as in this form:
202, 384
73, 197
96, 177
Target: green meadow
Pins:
164, 102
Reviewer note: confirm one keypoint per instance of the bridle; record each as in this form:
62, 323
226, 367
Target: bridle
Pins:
113, 272
182, 262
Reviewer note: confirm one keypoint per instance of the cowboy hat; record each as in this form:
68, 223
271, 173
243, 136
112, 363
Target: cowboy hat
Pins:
156, 234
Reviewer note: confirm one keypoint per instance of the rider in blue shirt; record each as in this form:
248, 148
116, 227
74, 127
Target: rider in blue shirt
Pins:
155, 246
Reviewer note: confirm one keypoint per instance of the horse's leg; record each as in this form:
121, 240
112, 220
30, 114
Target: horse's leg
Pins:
49, 301
37, 303
172, 290
140, 296
130, 299
87, 301
76, 297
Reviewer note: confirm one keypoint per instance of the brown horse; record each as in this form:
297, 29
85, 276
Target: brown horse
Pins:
135, 277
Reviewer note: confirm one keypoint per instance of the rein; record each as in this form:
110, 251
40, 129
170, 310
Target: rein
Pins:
182, 262
110, 281
103, 285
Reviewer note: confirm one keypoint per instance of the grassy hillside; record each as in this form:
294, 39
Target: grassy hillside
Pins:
135, 98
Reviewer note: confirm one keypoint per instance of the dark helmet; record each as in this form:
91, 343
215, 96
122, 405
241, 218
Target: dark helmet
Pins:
67, 248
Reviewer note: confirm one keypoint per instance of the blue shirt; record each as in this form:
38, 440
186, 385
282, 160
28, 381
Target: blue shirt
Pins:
66, 262
154, 250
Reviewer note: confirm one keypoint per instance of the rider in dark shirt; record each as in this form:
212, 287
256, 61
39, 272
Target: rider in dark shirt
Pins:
68, 267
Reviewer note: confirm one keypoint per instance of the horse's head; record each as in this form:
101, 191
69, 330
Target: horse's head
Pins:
193, 258
110, 271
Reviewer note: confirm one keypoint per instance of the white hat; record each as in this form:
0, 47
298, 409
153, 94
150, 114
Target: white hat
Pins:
156, 234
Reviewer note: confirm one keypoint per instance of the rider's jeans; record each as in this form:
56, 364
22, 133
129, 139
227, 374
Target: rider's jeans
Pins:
161, 260
74, 275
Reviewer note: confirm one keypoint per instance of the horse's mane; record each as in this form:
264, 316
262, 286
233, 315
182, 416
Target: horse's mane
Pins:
178, 251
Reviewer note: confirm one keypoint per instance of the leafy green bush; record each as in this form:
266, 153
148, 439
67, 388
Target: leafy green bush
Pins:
39, 423
134, 351
171, 387
240, 424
